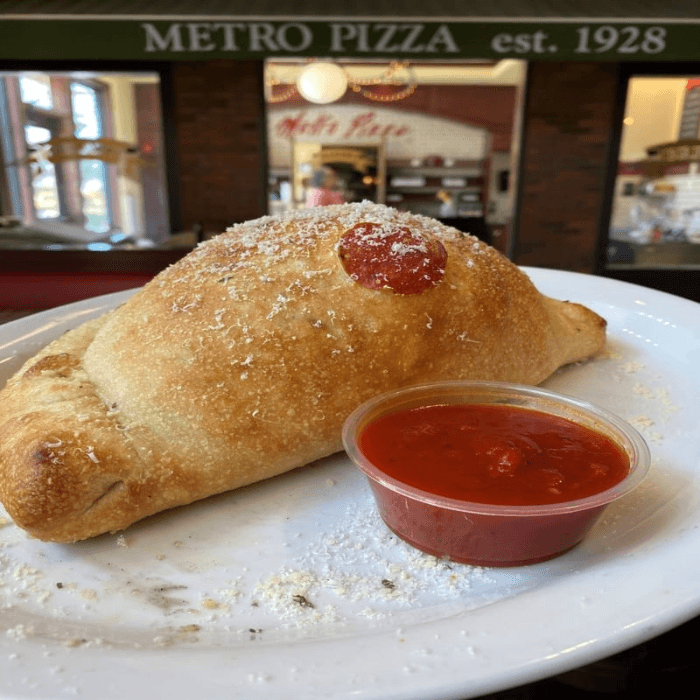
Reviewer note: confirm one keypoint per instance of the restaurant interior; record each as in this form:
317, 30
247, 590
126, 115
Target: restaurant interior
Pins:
113, 169
105, 171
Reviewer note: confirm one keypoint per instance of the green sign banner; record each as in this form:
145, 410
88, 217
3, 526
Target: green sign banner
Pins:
190, 39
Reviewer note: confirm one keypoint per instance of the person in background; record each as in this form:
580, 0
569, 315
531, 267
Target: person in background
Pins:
447, 204
324, 188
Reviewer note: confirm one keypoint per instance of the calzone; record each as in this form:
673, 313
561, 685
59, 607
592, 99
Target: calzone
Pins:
243, 360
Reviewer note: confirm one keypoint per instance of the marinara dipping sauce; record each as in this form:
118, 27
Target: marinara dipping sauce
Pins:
498, 454
491, 473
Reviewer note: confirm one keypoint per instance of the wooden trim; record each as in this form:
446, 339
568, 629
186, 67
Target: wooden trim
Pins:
88, 262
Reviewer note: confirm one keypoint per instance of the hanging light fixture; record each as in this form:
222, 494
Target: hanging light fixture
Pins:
324, 82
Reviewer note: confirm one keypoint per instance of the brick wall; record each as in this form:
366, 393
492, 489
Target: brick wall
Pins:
567, 127
219, 126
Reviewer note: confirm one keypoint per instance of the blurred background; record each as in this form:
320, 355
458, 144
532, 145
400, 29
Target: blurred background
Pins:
564, 142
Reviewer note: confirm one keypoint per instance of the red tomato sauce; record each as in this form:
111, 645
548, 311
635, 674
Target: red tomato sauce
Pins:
394, 258
493, 454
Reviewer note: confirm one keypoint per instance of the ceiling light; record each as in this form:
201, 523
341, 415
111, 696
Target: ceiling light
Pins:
322, 83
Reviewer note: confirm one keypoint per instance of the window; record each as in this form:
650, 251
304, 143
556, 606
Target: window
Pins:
88, 120
654, 220
36, 90
44, 182
72, 166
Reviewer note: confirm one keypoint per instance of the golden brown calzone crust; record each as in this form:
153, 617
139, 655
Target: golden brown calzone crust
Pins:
243, 360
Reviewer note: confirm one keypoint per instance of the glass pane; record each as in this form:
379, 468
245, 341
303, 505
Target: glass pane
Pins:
36, 90
93, 174
86, 111
655, 217
36, 135
93, 188
44, 185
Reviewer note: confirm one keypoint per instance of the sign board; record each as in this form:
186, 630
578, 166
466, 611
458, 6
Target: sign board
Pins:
100, 37
405, 135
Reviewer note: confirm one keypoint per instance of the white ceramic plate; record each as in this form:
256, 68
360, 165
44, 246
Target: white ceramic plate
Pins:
293, 588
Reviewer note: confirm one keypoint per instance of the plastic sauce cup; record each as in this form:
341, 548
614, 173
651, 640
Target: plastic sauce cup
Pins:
485, 534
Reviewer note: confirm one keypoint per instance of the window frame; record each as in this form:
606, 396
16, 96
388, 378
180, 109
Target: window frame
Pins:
681, 281
163, 69
58, 121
